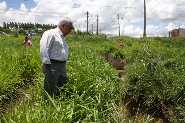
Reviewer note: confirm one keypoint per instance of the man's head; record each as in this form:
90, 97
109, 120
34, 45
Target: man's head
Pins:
65, 25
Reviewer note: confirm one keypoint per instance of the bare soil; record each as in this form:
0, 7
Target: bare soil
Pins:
15, 100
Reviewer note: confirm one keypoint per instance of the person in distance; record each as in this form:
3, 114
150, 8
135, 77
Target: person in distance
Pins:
27, 42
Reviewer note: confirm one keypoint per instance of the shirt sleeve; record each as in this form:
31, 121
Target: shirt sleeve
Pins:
45, 44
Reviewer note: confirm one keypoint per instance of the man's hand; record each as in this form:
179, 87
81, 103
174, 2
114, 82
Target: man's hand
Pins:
47, 65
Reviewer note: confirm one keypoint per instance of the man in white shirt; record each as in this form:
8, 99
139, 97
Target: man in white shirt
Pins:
54, 53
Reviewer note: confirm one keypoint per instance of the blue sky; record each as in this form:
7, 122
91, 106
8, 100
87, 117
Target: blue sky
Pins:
17, 3
162, 15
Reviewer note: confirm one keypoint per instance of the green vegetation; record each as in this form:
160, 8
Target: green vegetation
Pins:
155, 76
94, 93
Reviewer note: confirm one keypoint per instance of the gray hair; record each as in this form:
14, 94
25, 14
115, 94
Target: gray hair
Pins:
65, 20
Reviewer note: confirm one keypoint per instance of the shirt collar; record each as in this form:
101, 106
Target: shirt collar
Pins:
60, 32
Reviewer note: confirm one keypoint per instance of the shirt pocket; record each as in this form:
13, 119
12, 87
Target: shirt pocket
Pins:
59, 43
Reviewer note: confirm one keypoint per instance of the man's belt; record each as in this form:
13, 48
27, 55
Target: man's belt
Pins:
57, 61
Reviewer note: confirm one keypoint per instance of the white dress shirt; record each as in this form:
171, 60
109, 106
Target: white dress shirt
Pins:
53, 46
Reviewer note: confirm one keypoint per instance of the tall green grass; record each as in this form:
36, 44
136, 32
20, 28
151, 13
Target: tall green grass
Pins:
155, 76
19, 65
92, 93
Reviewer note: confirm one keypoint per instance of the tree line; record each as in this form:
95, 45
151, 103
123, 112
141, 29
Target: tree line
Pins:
19, 25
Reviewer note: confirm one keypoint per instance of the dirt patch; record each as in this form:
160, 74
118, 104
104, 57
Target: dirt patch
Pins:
15, 99
116, 63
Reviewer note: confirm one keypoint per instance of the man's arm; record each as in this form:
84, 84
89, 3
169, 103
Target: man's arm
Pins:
45, 44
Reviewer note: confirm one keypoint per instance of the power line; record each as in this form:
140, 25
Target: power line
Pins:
125, 9
119, 14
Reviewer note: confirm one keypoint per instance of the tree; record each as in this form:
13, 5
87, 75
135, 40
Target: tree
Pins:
16, 25
4, 25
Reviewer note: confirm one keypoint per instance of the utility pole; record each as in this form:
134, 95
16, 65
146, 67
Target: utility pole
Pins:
179, 24
87, 21
92, 28
118, 25
144, 32
97, 26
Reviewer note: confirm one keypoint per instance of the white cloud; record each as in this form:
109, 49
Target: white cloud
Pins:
171, 26
180, 2
2, 6
133, 31
166, 14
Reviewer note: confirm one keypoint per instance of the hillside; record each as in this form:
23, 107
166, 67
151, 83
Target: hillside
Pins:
152, 90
